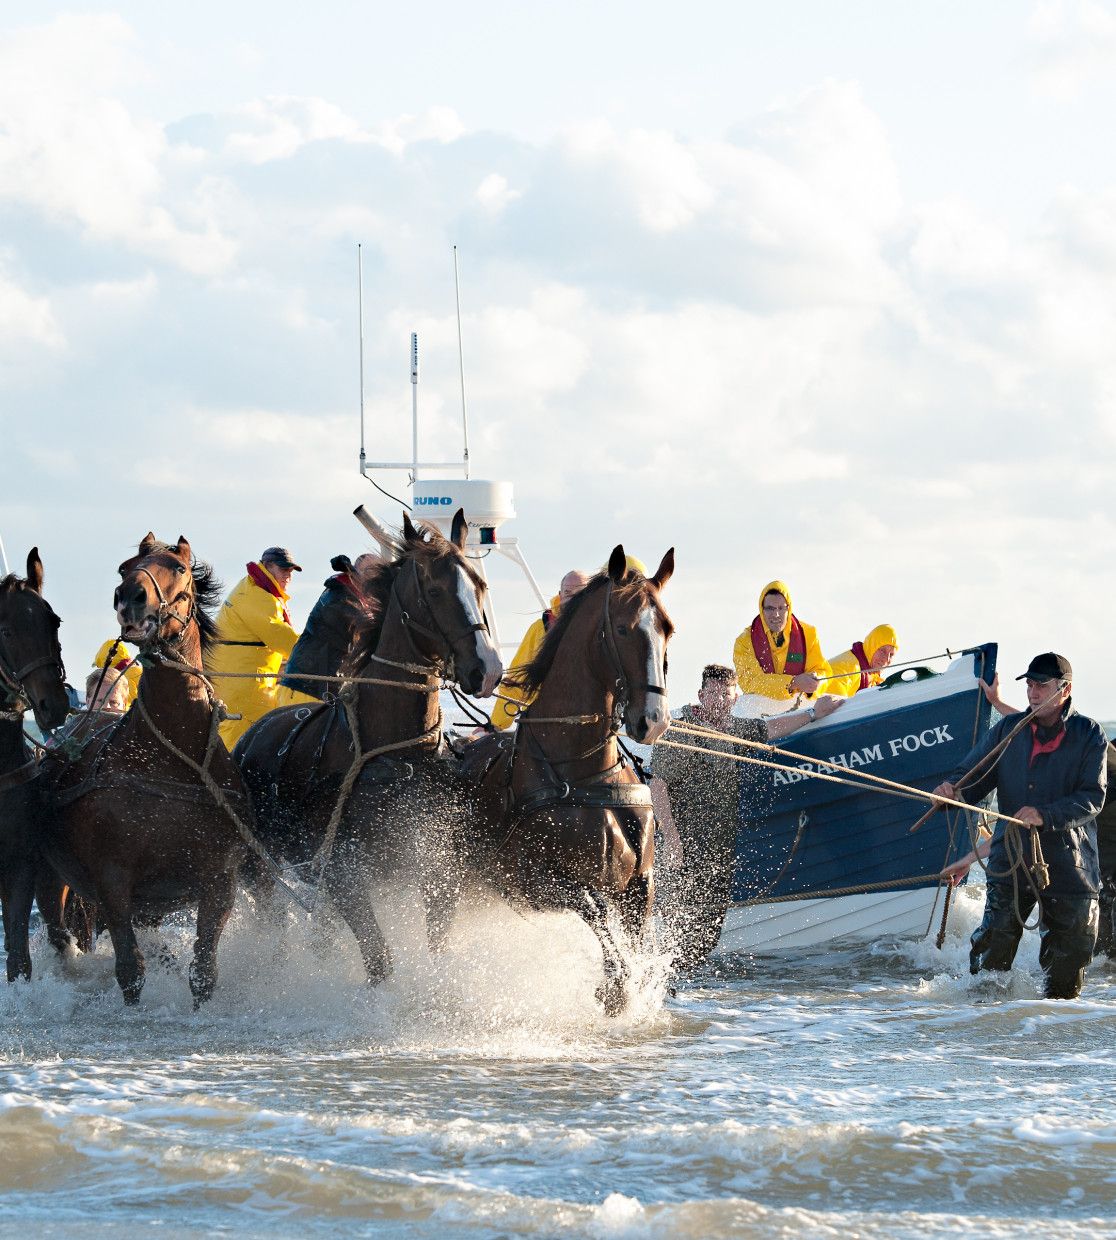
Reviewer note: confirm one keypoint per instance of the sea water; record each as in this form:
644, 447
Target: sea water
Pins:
874, 1091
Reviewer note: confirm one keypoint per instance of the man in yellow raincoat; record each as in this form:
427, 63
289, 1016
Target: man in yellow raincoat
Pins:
860, 666
121, 657
778, 656
503, 715
254, 634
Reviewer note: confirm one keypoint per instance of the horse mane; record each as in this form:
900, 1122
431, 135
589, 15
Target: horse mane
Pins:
208, 592
12, 582
530, 676
429, 545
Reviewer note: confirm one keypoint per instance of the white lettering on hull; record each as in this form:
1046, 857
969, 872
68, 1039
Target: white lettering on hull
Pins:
912, 742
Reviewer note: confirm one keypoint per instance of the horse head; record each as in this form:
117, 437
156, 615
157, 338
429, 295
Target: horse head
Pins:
633, 638
441, 598
31, 669
155, 600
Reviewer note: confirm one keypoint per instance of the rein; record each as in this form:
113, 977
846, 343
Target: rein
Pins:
166, 607
591, 791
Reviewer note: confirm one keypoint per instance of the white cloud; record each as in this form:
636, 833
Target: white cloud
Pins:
25, 319
750, 345
275, 128
1073, 45
75, 153
494, 193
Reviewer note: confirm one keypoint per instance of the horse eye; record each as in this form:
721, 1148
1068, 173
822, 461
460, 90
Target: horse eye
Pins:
436, 591
622, 629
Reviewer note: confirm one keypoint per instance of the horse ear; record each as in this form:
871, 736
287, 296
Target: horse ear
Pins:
459, 531
617, 563
665, 571
35, 570
184, 549
409, 531
147, 543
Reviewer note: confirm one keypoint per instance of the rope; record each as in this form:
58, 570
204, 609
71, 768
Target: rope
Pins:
218, 793
901, 790
361, 758
858, 889
867, 776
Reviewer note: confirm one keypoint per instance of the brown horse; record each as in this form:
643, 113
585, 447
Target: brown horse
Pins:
33, 678
358, 790
137, 826
561, 823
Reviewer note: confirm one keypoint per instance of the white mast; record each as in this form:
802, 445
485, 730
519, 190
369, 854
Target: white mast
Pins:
461, 361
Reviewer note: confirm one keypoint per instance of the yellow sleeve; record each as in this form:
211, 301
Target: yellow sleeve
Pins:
502, 715
752, 678
262, 615
848, 681
816, 662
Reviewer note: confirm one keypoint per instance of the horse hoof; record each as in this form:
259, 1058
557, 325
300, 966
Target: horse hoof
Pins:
612, 997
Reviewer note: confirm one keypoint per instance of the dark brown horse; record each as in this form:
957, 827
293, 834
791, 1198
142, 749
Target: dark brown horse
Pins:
358, 790
561, 822
32, 678
138, 824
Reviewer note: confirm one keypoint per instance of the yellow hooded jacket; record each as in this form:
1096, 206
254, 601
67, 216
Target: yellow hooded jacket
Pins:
120, 660
776, 684
253, 635
503, 715
846, 662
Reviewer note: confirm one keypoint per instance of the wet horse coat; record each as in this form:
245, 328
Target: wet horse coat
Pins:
358, 789
135, 827
33, 678
560, 822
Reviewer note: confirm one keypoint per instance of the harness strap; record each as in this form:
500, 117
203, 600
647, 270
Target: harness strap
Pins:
24, 774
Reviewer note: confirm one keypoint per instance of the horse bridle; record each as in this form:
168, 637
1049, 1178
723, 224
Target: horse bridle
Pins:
166, 606
607, 636
560, 790
434, 634
12, 678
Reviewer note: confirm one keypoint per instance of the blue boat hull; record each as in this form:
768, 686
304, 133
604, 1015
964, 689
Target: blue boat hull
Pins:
801, 838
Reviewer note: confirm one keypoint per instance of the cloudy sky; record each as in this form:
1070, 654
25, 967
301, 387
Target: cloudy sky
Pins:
823, 291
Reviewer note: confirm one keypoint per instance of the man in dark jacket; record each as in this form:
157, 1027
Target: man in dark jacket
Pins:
325, 639
1051, 776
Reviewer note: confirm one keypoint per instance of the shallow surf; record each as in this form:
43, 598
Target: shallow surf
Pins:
877, 1091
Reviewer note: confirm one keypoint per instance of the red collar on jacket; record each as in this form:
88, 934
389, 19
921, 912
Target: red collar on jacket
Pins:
261, 578
1049, 746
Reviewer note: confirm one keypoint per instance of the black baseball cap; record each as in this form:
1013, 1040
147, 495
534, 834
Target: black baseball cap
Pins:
1049, 666
280, 557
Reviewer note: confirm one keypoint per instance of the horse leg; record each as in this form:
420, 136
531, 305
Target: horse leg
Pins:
130, 966
441, 894
347, 887
214, 908
18, 894
634, 904
115, 897
51, 896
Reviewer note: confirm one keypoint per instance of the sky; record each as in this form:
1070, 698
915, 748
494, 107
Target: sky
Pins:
819, 291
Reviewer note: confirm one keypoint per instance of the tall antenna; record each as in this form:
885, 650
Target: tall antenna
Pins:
360, 320
461, 360
414, 406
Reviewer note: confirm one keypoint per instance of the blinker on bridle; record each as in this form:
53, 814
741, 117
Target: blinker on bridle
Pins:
607, 636
11, 678
437, 632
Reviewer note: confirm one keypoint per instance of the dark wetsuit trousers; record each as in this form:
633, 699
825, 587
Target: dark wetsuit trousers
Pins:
1067, 930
